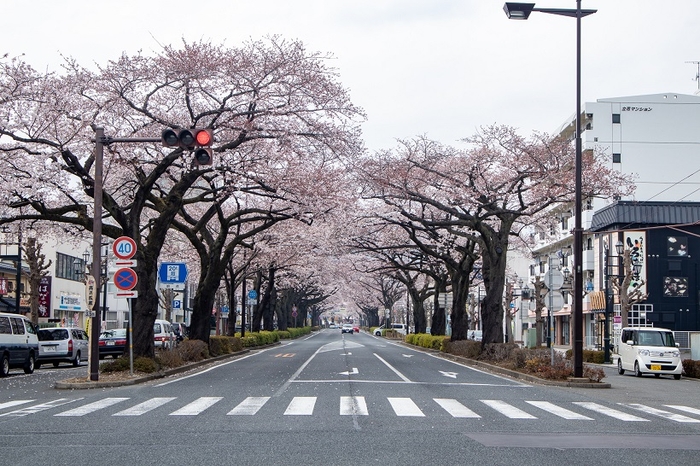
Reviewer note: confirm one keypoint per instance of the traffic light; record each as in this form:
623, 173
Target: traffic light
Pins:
198, 140
203, 154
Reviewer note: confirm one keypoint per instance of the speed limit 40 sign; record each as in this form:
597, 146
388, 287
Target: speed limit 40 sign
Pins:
124, 248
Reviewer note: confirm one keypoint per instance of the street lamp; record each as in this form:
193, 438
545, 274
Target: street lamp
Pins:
522, 11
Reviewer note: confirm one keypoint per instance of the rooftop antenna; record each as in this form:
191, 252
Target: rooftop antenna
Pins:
697, 73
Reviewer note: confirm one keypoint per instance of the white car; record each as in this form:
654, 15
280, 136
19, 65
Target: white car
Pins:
649, 350
347, 328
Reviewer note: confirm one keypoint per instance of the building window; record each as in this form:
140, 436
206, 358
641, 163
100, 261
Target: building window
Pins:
615, 117
617, 158
65, 267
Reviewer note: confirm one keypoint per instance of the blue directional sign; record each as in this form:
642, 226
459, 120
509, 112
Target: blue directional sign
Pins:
172, 273
252, 294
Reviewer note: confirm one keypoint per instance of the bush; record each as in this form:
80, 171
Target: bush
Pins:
592, 356
192, 350
465, 348
219, 345
425, 340
169, 358
122, 364
691, 368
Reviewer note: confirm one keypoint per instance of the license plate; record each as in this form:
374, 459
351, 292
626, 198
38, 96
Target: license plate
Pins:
110, 343
49, 349
656, 367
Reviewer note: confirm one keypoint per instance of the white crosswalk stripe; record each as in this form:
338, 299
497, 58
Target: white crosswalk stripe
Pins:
38, 408
559, 411
405, 407
508, 410
91, 407
455, 408
301, 406
610, 412
197, 406
353, 405
249, 406
10, 404
686, 409
144, 407
660, 412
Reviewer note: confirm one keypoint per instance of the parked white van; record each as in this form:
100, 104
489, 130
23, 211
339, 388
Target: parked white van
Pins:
163, 335
19, 345
649, 350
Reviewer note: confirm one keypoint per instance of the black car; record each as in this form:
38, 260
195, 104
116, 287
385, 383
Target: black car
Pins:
112, 343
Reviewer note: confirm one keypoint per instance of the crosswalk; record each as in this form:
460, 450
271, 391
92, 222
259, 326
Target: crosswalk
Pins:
487, 409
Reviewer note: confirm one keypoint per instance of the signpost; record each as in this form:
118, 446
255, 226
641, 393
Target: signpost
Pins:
125, 279
172, 275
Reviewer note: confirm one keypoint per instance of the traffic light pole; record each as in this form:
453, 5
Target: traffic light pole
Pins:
100, 141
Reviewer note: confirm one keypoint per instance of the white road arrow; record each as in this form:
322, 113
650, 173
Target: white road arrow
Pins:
407, 355
354, 371
449, 374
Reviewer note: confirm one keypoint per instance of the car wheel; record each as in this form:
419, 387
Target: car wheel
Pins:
76, 361
29, 365
637, 372
620, 370
5, 366
677, 376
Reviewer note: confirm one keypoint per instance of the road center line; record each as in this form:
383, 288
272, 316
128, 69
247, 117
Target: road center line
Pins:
403, 377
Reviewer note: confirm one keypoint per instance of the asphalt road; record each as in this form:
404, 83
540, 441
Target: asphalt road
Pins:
335, 398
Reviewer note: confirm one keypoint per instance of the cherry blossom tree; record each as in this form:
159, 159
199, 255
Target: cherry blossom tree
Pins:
486, 193
271, 104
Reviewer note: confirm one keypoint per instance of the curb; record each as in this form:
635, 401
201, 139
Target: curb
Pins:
64, 385
571, 383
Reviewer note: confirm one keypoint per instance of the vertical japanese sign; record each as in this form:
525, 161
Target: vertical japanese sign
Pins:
45, 297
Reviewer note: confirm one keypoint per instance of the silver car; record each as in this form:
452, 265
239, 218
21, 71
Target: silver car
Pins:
62, 344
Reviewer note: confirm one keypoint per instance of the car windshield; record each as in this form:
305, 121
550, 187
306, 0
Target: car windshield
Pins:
116, 333
656, 338
52, 334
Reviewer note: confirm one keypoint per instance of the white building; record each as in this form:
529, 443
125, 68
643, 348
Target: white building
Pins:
654, 137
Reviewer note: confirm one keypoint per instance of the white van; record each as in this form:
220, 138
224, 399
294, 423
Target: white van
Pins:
163, 335
649, 350
399, 328
19, 345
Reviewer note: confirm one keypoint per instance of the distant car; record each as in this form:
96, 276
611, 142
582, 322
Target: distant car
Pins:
112, 343
356, 328
475, 335
62, 344
347, 328
332, 326
398, 328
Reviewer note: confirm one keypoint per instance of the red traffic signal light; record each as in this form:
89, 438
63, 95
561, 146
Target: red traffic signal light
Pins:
187, 139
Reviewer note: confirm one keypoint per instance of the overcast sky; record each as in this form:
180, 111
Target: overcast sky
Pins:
440, 68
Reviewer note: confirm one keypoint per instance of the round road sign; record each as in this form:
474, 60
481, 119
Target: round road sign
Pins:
125, 279
124, 248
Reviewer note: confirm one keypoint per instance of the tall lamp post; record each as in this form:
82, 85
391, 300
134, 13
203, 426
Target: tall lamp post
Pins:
522, 11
